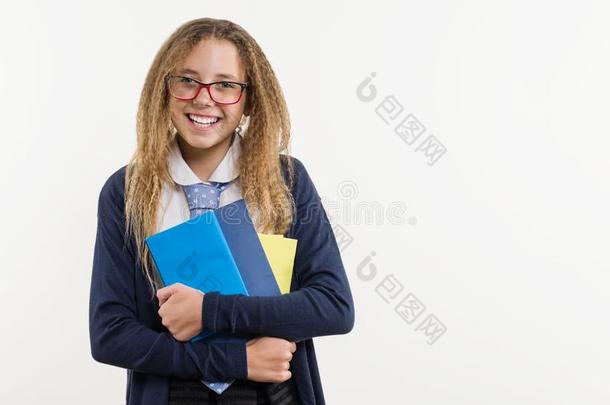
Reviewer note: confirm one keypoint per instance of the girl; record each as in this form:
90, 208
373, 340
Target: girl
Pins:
212, 114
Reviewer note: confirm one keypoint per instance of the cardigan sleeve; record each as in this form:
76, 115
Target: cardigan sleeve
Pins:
117, 337
323, 303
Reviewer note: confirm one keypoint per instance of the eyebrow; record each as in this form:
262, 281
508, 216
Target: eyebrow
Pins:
219, 75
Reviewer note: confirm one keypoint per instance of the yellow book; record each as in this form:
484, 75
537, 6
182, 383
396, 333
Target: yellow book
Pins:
280, 252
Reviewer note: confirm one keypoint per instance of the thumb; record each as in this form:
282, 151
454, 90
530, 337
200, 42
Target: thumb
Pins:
164, 293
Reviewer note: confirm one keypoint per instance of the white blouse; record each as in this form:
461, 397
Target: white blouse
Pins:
173, 207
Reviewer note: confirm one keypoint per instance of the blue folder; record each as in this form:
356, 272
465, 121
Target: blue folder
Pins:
195, 253
247, 250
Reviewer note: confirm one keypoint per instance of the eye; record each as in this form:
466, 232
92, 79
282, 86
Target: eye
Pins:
228, 85
186, 80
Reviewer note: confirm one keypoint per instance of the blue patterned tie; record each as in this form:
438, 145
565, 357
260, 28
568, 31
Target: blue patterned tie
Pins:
201, 198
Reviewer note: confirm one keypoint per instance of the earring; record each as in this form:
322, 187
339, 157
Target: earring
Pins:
243, 125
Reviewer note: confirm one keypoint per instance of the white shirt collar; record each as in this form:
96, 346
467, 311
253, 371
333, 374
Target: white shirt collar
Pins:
182, 173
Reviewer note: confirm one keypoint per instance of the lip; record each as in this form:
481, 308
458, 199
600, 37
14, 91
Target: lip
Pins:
202, 115
199, 129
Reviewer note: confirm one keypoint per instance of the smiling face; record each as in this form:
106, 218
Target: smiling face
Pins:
211, 60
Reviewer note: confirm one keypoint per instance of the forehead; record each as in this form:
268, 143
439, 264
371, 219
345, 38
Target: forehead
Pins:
211, 59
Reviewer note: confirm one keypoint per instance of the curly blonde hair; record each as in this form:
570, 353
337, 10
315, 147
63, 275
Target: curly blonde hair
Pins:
264, 189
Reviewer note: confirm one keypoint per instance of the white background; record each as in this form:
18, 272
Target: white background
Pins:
509, 234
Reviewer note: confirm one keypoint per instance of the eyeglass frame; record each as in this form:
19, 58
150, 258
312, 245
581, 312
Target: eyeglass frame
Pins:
207, 87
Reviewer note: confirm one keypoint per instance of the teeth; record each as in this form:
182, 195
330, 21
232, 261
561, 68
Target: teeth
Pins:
201, 120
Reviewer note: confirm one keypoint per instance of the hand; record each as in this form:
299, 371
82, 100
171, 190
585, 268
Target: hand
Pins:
181, 310
269, 359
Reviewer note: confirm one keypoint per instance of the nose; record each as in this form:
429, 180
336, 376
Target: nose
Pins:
203, 97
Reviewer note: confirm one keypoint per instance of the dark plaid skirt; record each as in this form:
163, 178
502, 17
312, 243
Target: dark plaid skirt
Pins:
241, 392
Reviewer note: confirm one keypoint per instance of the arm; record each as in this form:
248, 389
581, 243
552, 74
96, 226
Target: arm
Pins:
117, 337
323, 305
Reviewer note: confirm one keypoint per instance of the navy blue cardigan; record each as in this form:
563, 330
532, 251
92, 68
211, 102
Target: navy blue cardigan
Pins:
125, 328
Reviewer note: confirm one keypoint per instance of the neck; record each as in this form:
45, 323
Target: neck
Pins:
203, 162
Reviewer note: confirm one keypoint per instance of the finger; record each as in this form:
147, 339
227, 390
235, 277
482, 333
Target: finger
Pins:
161, 298
293, 347
164, 293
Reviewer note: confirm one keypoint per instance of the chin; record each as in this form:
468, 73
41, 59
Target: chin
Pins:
202, 141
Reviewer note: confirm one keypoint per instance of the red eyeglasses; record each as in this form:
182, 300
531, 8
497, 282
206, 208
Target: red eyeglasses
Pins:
224, 92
